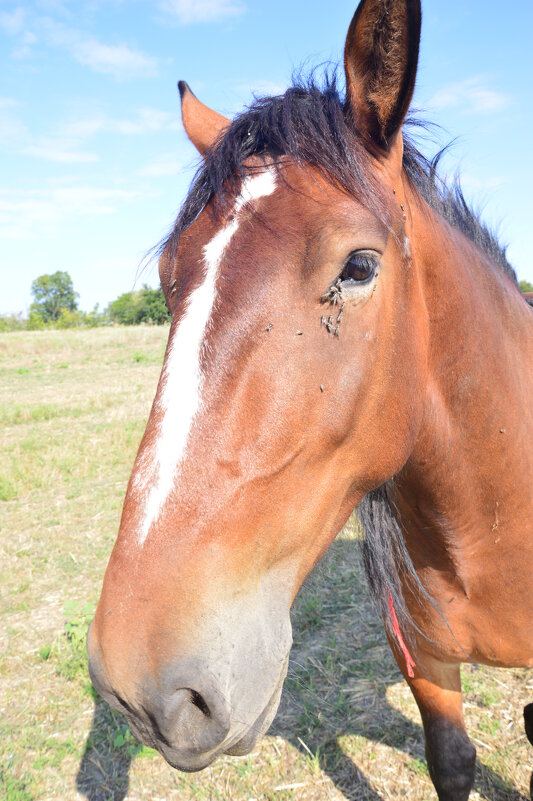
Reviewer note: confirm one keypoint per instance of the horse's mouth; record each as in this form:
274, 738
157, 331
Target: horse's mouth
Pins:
246, 744
238, 744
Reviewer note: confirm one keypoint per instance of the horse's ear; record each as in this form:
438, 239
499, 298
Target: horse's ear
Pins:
202, 124
380, 60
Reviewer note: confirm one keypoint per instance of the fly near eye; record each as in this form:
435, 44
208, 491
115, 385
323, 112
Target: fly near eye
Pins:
360, 267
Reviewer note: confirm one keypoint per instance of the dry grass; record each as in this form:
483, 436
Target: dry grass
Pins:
72, 409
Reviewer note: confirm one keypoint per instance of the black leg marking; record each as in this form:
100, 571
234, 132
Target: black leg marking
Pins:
451, 759
528, 723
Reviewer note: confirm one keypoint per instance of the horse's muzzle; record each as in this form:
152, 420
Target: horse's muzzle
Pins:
186, 716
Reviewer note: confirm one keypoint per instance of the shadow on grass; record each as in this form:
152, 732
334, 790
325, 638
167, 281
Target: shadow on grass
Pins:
334, 701
103, 774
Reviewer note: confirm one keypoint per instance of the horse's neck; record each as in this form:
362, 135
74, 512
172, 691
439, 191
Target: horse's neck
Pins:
471, 470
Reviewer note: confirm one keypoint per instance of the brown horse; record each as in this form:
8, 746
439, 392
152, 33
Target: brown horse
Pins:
344, 331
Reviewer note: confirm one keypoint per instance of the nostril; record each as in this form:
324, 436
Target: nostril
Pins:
194, 720
199, 702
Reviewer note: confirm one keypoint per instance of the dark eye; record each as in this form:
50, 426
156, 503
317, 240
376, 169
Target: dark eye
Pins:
360, 267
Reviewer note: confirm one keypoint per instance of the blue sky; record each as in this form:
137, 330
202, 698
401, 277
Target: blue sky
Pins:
94, 162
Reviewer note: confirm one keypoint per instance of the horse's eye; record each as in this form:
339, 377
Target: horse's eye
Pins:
360, 267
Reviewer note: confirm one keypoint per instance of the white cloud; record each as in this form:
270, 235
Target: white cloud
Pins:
120, 61
23, 212
67, 142
55, 6
12, 22
475, 184
143, 121
471, 95
8, 102
161, 167
13, 132
15, 23
85, 127
59, 152
26, 42
187, 12
146, 120
15, 137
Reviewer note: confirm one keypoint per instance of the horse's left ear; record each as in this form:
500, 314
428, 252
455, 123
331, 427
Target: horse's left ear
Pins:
202, 125
380, 60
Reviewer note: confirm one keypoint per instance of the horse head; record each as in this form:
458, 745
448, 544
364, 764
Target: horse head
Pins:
291, 387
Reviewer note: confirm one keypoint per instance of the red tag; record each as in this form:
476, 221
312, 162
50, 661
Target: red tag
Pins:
409, 662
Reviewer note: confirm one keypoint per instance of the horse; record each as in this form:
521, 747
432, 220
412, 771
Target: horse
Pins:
345, 333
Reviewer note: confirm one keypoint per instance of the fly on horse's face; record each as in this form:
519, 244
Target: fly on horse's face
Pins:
325, 338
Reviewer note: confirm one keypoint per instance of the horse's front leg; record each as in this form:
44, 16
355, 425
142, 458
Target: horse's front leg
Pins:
528, 721
450, 755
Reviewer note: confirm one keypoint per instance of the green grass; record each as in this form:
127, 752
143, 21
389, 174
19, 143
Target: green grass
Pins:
73, 406
13, 788
8, 490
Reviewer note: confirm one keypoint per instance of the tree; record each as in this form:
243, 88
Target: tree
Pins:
154, 306
525, 286
70, 319
52, 293
143, 306
124, 309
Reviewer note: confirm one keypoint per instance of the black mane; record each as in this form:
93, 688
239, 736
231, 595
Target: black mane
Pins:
308, 124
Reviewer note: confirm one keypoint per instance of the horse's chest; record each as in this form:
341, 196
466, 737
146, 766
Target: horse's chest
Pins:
490, 616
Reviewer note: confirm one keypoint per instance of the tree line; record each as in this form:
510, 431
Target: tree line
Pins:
55, 305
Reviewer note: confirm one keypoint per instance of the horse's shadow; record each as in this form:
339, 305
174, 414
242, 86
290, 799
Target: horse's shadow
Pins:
103, 773
335, 693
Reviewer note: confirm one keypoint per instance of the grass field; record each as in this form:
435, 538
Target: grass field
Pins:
73, 405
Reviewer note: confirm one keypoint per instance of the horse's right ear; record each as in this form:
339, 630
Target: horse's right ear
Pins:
202, 125
380, 61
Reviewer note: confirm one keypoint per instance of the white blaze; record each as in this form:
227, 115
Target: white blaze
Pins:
182, 380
